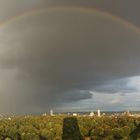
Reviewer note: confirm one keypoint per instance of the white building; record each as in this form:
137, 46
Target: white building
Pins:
98, 113
44, 114
75, 114
51, 112
91, 114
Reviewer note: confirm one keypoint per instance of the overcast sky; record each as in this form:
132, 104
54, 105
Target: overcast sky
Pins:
63, 56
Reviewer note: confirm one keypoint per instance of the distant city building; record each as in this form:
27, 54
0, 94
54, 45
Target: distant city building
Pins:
103, 114
91, 114
75, 114
98, 113
128, 113
44, 114
51, 112
9, 118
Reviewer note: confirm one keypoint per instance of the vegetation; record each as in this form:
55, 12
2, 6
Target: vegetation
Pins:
70, 128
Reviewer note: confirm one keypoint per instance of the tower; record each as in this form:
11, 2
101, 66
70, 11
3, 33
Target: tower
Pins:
51, 112
99, 113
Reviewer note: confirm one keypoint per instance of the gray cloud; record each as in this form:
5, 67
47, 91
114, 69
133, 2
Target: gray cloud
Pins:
120, 85
58, 55
126, 9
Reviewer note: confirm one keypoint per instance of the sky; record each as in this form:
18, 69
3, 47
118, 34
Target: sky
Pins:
69, 55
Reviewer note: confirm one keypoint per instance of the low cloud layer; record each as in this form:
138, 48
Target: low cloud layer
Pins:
124, 85
58, 56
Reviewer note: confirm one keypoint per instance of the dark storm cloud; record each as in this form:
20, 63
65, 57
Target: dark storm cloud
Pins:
126, 9
59, 55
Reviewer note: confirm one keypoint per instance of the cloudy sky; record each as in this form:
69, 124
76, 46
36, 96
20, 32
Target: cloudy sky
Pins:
69, 55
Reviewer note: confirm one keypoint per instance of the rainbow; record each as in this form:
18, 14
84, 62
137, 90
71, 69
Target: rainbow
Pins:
80, 9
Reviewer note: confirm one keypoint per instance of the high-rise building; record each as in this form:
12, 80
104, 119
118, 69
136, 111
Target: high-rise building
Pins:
99, 113
51, 112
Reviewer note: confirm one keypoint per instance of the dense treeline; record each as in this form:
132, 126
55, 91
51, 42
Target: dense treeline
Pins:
70, 128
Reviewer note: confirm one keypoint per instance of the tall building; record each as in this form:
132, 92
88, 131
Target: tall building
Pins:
51, 112
99, 113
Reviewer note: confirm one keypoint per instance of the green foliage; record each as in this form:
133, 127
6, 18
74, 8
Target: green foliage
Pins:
70, 128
